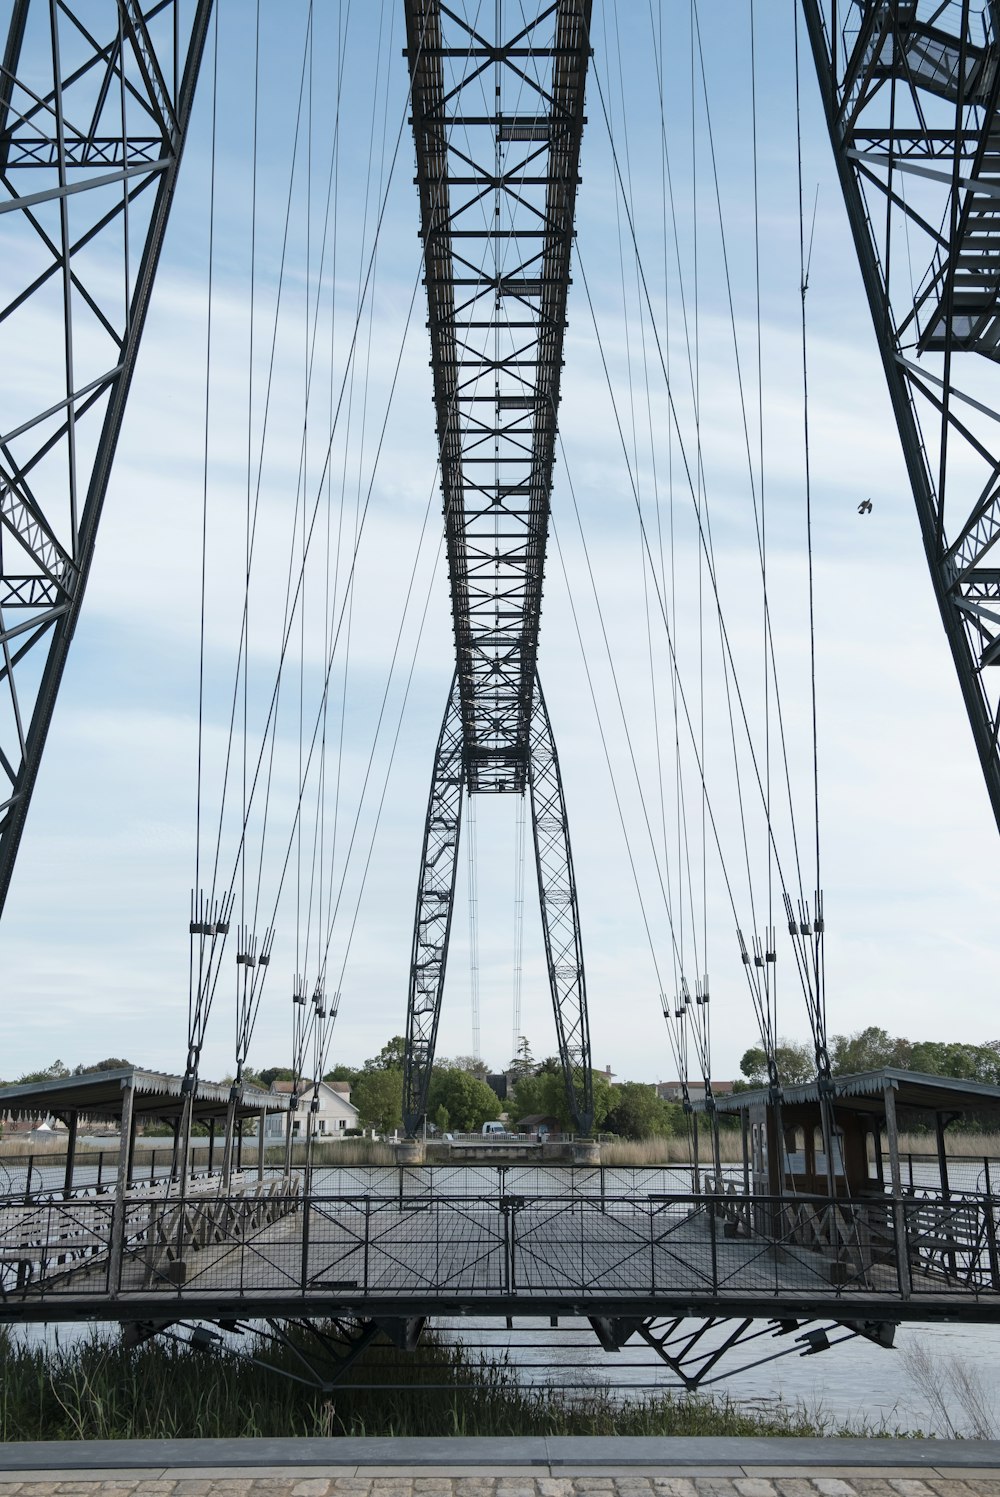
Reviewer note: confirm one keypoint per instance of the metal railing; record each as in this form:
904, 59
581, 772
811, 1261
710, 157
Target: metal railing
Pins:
977, 1173
481, 1178
267, 1242
489, 1139
95, 1170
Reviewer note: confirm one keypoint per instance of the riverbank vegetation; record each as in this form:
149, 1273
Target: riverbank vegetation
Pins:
870, 1050
621, 1153
98, 1389
645, 1127
346, 1152
638, 1153
625, 1152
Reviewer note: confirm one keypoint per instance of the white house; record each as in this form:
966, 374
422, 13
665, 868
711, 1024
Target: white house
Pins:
334, 1115
673, 1091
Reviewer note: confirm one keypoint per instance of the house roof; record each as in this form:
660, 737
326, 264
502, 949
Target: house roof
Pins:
100, 1094
717, 1086
284, 1089
866, 1091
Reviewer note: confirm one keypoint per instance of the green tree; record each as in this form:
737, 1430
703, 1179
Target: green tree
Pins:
874, 1048
540, 1095
274, 1073
796, 1064
442, 1119
378, 1096
55, 1072
390, 1057
605, 1098
342, 1073
113, 1063
474, 1064
754, 1066
471, 1063
639, 1113
523, 1064
868, 1050
468, 1101
544, 1094
964, 1062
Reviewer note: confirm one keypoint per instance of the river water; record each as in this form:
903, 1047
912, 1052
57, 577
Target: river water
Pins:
940, 1379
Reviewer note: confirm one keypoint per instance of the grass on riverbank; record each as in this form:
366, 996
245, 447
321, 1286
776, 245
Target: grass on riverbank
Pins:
959, 1145
348, 1152
625, 1152
621, 1152
97, 1389
639, 1152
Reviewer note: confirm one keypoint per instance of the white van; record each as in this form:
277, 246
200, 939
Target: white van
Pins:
493, 1129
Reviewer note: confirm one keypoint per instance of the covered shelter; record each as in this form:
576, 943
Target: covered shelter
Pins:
539, 1125
130, 1096
783, 1136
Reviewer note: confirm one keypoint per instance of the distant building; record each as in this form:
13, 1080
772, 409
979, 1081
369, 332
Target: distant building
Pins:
32, 1129
673, 1091
498, 1082
333, 1117
539, 1125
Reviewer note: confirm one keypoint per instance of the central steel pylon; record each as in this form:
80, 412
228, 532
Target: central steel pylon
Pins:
560, 912
497, 125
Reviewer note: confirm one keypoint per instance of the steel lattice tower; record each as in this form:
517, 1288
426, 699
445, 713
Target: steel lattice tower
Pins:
911, 91
497, 124
95, 100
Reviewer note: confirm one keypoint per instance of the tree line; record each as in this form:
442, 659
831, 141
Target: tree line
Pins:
461, 1101
872, 1049
59, 1071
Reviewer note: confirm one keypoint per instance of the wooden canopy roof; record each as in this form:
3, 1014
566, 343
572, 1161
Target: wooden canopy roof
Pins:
100, 1095
866, 1092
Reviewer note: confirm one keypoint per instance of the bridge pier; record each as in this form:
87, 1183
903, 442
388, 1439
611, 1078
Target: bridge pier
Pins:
585, 1151
411, 1151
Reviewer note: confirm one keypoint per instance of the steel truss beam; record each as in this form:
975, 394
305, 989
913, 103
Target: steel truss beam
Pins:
435, 903
560, 916
95, 101
911, 94
557, 894
497, 127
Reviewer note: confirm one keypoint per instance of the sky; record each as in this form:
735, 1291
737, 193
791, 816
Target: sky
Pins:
93, 941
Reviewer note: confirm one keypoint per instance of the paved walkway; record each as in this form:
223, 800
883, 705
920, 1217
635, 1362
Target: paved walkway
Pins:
502, 1467
513, 1482
531, 1467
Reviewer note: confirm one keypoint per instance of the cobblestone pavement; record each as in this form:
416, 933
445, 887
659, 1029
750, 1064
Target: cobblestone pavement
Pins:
727, 1482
